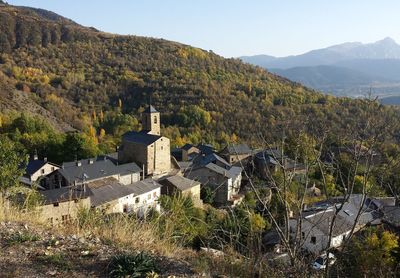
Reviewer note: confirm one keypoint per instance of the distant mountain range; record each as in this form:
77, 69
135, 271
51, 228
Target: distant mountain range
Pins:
344, 69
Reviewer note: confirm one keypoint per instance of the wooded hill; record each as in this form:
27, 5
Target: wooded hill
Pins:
77, 75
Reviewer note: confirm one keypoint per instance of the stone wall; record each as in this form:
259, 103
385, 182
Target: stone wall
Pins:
162, 158
64, 211
214, 181
133, 152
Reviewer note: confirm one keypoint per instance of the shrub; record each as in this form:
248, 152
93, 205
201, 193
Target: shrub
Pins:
128, 265
22, 237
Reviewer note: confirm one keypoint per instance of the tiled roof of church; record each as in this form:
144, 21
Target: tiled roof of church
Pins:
150, 109
140, 137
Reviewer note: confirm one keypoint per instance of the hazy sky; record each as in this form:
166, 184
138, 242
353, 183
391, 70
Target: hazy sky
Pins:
238, 27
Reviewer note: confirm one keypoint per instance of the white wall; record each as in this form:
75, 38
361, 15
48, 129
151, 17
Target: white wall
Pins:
139, 204
129, 178
45, 170
321, 240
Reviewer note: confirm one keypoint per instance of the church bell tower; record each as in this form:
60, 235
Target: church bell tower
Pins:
151, 121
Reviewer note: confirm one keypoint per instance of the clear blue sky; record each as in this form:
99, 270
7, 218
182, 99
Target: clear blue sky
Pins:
238, 27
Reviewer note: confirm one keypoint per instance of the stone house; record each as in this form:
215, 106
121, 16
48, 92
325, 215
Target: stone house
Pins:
235, 153
203, 159
186, 153
316, 221
180, 185
147, 148
268, 161
111, 196
92, 169
146, 193
225, 183
315, 229
36, 170
62, 204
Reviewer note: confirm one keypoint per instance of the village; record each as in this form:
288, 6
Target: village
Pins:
144, 167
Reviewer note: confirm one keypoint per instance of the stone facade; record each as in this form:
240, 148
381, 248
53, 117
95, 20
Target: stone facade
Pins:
160, 156
180, 185
226, 188
234, 158
151, 121
147, 148
58, 213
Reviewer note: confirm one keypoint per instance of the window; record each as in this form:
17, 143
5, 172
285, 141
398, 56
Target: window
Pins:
137, 200
162, 147
56, 204
313, 240
42, 171
125, 209
149, 196
154, 194
76, 201
155, 119
50, 220
66, 218
303, 235
52, 169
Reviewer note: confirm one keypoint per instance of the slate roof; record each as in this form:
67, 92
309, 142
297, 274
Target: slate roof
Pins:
369, 212
111, 156
184, 165
107, 190
211, 158
266, 158
180, 182
391, 215
34, 165
187, 147
150, 109
323, 219
237, 149
205, 148
98, 169
274, 153
233, 172
144, 186
141, 137
64, 194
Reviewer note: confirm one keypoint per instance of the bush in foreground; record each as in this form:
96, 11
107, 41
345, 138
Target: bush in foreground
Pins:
128, 265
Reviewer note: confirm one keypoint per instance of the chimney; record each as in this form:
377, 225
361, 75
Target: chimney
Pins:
78, 163
90, 161
35, 156
45, 159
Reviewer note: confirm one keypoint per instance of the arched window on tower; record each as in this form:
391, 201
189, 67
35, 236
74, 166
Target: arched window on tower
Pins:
155, 119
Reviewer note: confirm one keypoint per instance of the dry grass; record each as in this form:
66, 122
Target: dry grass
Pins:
10, 213
126, 232
130, 234
119, 230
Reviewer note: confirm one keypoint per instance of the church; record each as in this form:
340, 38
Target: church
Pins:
147, 148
